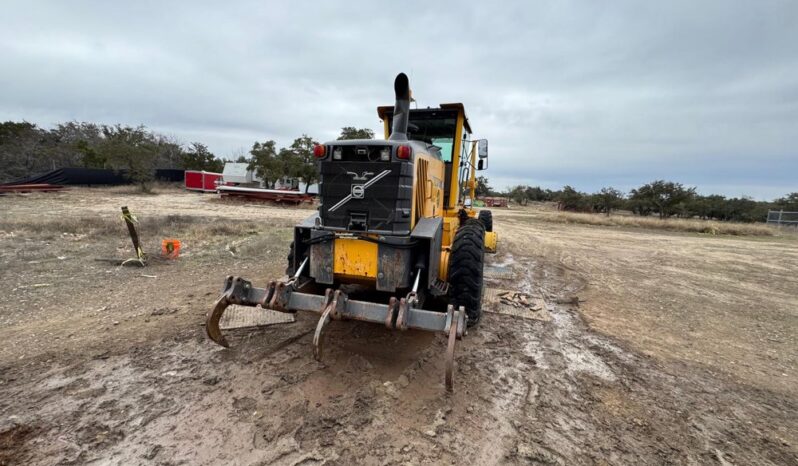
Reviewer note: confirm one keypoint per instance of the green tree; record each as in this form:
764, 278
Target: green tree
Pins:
73, 132
571, 199
537, 194
745, 209
66, 145
788, 202
290, 164
170, 151
350, 132
608, 199
483, 188
518, 195
21, 150
26, 150
198, 157
76, 144
91, 157
132, 149
265, 162
660, 196
11, 131
306, 168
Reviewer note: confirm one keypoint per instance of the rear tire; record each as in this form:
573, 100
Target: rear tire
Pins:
486, 217
465, 269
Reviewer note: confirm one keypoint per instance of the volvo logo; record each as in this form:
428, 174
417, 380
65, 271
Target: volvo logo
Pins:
363, 177
359, 190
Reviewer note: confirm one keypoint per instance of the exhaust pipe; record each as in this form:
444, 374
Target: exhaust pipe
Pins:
401, 111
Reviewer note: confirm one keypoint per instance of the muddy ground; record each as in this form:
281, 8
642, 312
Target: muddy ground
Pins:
681, 349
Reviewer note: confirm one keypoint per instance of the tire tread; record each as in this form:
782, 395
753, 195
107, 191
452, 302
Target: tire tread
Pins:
466, 269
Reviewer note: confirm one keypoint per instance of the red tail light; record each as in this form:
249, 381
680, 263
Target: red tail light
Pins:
403, 152
319, 151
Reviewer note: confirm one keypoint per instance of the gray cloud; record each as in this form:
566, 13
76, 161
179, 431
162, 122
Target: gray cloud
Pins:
582, 93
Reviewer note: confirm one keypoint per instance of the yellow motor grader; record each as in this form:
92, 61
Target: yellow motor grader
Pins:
396, 240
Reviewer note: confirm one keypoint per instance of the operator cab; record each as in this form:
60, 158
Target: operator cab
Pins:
445, 127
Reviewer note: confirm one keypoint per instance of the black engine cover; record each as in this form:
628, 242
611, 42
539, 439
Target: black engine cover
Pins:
366, 196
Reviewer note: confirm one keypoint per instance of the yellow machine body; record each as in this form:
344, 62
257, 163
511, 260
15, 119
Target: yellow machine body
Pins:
459, 189
393, 218
355, 258
427, 188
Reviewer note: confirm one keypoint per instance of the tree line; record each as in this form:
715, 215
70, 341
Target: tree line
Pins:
664, 199
27, 150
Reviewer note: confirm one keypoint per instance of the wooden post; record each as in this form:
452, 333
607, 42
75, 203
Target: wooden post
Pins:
134, 236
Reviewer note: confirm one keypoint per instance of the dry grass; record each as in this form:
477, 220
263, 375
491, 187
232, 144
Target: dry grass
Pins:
178, 226
710, 227
49, 227
155, 187
206, 228
204, 239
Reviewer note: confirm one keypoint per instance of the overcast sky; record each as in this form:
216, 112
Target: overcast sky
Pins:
587, 93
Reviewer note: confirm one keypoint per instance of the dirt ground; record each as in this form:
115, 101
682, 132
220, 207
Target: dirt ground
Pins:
681, 348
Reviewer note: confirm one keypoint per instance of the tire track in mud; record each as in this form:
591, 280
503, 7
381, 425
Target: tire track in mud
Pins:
594, 401
538, 348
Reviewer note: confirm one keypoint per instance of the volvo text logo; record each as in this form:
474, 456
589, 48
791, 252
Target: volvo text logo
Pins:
362, 177
358, 191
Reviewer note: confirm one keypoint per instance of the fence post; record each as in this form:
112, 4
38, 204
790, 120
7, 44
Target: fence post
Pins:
134, 236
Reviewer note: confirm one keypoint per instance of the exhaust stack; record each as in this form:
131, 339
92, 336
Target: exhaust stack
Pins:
401, 111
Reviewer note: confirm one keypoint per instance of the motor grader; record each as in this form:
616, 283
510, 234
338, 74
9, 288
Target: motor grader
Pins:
396, 240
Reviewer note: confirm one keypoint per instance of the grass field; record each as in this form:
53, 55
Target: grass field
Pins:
545, 212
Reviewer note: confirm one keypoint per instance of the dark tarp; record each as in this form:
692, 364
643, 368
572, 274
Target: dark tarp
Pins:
170, 174
94, 176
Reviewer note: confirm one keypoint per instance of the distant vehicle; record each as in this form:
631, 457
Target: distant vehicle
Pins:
238, 174
495, 201
196, 180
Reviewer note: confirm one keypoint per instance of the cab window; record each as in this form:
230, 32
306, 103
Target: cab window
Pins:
436, 128
446, 145
433, 126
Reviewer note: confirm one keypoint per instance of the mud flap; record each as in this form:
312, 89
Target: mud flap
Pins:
322, 258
